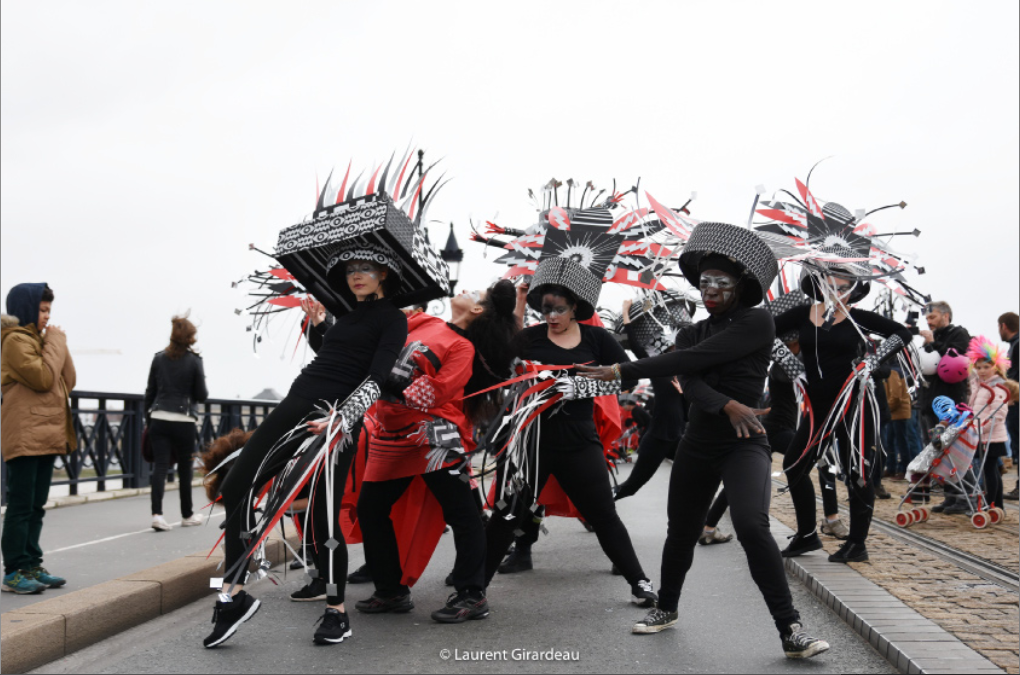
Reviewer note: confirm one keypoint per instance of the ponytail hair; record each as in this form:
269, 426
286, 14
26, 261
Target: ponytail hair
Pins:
492, 334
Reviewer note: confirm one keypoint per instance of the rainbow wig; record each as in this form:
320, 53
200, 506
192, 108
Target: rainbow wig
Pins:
983, 349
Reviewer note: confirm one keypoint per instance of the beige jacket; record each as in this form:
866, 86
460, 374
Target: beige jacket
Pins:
36, 377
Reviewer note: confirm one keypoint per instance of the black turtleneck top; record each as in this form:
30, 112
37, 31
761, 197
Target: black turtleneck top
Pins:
724, 357
362, 343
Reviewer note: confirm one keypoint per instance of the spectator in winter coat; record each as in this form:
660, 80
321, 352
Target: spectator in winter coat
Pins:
897, 439
36, 377
1009, 331
940, 337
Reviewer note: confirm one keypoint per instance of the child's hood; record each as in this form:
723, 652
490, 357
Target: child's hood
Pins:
23, 302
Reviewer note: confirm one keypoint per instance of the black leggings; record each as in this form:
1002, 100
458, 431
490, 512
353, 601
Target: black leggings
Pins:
745, 471
571, 452
993, 479
172, 442
650, 453
241, 480
459, 510
862, 497
779, 441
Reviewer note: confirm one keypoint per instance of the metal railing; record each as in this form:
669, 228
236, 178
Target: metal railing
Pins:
109, 430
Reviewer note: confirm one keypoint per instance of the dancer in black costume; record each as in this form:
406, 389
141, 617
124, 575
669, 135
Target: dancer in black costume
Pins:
668, 420
832, 346
353, 359
722, 363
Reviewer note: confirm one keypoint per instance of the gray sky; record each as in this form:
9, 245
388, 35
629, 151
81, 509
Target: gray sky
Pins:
144, 145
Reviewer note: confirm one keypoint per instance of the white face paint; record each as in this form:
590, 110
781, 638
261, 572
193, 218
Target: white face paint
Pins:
722, 282
368, 269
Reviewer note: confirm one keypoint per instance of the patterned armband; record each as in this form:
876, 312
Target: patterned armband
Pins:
357, 404
885, 351
787, 360
574, 387
421, 394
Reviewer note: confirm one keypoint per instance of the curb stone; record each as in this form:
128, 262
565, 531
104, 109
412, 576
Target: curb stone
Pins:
49, 630
905, 638
75, 500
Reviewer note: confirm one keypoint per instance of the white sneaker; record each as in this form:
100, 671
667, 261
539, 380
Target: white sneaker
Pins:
160, 525
193, 521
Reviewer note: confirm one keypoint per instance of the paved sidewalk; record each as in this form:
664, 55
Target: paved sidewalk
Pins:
984, 616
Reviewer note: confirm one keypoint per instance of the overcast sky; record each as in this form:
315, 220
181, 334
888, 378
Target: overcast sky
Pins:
145, 145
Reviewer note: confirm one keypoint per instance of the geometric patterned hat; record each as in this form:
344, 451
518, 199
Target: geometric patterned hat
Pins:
576, 252
369, 227
740, 245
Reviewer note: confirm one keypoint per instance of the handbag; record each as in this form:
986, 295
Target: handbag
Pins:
147, 446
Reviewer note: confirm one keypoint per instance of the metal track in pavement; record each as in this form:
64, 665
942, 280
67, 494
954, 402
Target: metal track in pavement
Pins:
985, 569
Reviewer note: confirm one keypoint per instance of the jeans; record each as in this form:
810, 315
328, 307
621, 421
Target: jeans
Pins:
28, 488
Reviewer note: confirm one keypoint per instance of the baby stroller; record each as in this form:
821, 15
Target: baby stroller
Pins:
949, 458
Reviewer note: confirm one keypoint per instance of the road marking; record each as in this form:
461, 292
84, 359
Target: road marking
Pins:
119, 536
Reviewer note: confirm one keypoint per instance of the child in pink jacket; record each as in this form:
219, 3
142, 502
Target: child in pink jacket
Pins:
989, 399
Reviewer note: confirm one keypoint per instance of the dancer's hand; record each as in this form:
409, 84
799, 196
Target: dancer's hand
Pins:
319, 426
745, 420
604, 373
314, 309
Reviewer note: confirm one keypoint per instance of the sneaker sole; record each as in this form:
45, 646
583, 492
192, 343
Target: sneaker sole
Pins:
317, 598
9, 589
233, 629
403, 609
801, 552
162, 529
813, 650
446, 619
319, 640
856, 558
640, 629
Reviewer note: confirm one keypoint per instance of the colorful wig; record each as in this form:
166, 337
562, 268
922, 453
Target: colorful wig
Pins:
983, 349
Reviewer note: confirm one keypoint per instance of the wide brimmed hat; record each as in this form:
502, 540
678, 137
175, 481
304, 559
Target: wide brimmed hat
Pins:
370, 228
664, 314
570, 275
741, 246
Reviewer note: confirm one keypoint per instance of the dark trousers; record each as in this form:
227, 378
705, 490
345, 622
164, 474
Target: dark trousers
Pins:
1012, 424
745, 471
573, 453
172, 443
779, 440
242, 479
991, 474
862, 497
459, 511
650, 454
28, 488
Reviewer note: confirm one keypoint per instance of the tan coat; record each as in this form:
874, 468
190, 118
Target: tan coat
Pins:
898, 396
36, 377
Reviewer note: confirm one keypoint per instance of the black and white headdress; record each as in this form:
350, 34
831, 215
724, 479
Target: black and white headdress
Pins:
365, 223
657, 316
742, 246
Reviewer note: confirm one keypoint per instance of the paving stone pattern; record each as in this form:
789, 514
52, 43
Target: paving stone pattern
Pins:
984, 616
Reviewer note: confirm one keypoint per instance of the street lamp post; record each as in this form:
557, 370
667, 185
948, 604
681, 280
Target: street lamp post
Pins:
453, 255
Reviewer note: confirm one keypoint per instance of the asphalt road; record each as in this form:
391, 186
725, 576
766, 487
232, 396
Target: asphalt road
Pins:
92, 543
570, 603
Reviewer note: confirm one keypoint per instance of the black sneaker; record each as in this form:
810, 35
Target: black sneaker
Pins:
310, 592
850, 551
297, 563
228, 617
360, 576
334, 628
449, 579
376, 605
959, 507
643, 594
939, 508
881, 492
657, 620
1014, 494
799, 645
519, 560
801, 544
461, 607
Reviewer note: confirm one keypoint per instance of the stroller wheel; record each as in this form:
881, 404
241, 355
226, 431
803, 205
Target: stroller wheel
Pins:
904, 518
995, 515
918, 515
979, 520
925, 512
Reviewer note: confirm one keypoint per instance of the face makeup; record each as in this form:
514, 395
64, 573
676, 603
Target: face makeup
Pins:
718, 289
368, 269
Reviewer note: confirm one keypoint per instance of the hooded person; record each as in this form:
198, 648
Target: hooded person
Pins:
721, 363
36, 376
